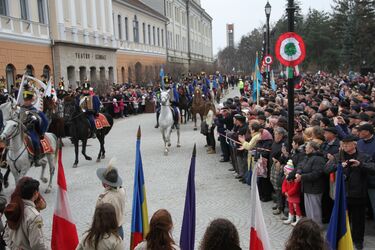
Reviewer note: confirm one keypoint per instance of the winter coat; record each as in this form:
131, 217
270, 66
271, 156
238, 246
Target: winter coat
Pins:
368, 147
293, 189
312, 171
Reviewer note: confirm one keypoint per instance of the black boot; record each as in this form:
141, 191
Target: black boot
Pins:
36, 157
157, 119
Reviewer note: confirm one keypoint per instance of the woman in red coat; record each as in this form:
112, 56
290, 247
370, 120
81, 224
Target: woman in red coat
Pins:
292, 191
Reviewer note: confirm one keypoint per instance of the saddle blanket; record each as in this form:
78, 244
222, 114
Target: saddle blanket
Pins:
101, 121
45, 145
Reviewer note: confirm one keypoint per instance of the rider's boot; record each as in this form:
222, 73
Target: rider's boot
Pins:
157, 120
36, 157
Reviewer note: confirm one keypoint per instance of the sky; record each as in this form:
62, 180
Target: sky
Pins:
247, 15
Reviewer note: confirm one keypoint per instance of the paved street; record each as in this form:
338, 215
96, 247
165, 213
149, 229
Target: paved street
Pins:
218, 193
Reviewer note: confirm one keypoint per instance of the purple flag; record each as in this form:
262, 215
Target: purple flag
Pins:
187, 237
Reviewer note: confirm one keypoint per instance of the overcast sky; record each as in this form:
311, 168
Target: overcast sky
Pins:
247, 15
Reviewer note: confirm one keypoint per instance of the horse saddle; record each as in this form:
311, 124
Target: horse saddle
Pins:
45, 145
101, 121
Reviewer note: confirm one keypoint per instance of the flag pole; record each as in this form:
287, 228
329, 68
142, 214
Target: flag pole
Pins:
256, 77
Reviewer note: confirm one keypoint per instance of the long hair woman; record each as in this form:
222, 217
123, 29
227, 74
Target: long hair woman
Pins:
210, 113
102, 234
221, 234
306, 235
159, 237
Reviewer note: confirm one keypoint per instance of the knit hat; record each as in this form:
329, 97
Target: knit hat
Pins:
289, 167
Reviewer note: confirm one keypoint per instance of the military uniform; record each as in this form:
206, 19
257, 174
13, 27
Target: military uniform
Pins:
29, 235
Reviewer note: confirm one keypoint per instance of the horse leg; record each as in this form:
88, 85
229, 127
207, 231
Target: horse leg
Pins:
101, 142
84, 144
42, 178
76, 152
195, 121
6, 177
52, 167
178, 135
165, 141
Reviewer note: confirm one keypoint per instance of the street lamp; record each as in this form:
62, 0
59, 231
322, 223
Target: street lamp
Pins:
267, 10
290, 9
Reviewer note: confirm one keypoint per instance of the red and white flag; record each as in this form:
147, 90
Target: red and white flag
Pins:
258, 233
64, 231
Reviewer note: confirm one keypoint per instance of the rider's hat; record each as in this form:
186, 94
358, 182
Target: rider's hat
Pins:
86, 86
109, 175
28, 92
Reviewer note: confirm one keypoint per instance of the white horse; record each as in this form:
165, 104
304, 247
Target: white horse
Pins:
166, 121
18, 158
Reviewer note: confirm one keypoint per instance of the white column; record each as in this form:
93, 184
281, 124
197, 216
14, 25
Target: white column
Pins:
103, 22
94, 22
84, 21
73, 19
60, 19
111, 18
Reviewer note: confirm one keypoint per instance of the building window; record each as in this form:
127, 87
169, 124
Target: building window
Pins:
47, 72
119, 27
10, 76
144, 32
135, 30
41, 11
162, 38
3, 7
158, 37
24, 10
153, 35
29, 70
126, 29
149, 34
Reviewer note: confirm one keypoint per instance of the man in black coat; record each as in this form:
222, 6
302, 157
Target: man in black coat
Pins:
357, 166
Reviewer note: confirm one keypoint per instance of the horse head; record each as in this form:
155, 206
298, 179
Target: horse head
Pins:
164, 97
9, 109
10, 130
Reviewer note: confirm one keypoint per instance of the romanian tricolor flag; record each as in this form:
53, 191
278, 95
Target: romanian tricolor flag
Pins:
338, 233
140, 226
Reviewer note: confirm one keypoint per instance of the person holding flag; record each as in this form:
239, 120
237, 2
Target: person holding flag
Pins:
356, 167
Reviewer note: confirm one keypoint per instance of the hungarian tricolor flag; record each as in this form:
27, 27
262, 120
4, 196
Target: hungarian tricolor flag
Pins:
258, 233
64, 231
140, 225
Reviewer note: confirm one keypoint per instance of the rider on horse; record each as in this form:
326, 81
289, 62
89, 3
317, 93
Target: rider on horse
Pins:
174, 100
35, 121
90, 105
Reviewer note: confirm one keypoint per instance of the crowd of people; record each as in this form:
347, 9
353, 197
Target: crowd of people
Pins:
333, 124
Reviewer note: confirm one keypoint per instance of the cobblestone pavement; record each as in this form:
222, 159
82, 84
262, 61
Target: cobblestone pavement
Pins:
218, 194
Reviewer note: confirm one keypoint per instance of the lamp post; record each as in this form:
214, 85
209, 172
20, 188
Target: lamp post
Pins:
291, 9
267, 10
264, 49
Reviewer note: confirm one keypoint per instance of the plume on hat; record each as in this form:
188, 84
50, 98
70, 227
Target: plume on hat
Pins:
111, 164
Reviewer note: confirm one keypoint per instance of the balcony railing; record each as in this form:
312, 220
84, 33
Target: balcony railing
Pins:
140, 47
17, 26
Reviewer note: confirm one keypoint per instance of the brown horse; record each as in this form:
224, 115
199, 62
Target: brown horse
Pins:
184, 104
198, 106
56, 121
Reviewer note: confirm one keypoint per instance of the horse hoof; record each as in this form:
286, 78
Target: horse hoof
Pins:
195, 129
48, 190
44, 180
88, 158
98, 160
169, 144
103, 157
75, 165
179, 145
166, 152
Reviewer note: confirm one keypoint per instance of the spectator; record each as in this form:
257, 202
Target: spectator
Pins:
310, 173
113, 193
159, 237
210, 137
221, 234
306, 235
103, 233
25, 224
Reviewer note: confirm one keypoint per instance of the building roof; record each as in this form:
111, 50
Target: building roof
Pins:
138, 4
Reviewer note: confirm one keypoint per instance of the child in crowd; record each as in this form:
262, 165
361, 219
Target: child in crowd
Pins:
292, 190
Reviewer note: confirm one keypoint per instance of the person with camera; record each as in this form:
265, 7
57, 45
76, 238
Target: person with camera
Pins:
357, 167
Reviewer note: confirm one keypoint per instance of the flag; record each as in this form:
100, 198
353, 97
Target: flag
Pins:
64, 231
162, 77
139, 228
258, 233
187, 237
37, 85
258, 79
273, 84
338, 233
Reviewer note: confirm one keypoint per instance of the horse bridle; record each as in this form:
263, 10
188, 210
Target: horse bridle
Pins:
168, 96
14, 133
